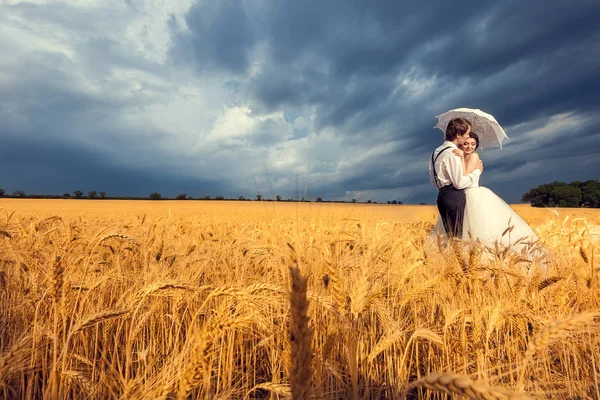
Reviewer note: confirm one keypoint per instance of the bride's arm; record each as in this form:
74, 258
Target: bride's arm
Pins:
461, 154
470, 164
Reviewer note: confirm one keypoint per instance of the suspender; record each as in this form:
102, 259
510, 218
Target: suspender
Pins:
433, 160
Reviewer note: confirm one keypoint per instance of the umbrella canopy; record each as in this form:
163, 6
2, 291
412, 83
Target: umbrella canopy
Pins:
485, 125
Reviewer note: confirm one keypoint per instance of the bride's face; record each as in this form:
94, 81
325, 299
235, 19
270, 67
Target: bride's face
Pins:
469, 146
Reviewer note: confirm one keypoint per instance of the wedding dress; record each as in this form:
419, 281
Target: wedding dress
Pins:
491, 222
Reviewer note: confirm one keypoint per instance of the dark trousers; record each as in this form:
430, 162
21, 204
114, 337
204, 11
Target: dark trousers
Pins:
451, 204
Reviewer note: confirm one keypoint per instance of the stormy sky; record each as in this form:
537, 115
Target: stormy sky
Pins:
335, 99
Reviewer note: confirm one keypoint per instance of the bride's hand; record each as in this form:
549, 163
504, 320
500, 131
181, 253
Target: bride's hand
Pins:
459, 153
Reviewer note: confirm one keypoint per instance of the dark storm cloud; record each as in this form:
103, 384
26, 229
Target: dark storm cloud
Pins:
46, 166
346, 55
219, 36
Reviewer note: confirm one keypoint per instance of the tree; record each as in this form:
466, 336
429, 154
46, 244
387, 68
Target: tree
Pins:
590, 194
394, 202
155, 196
278, 197
241, 198
66, 195
219, 198
181, 196
258, 197
561, 194
319, 199
354, 200
2, 192
18, 193
102, 195
206, 197
78, 194
566, 196
92, 194
369, 201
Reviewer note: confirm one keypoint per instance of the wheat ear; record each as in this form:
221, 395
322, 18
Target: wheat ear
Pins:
550, 281
300, 338
196, 371
79, 378
58, 271
552, 332
121, 237
280, 389
333, 273
9, 360
462, 385
358, 296
97, 318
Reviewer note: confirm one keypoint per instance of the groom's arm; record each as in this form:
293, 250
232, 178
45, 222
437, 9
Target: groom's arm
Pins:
455, 172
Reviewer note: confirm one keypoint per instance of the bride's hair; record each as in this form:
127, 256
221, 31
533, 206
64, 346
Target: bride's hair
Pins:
474, 136
457, 127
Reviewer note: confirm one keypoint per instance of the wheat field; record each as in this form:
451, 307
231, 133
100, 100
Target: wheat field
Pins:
258, 300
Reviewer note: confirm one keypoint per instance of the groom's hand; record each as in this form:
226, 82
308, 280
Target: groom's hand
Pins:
459, 153
480, 165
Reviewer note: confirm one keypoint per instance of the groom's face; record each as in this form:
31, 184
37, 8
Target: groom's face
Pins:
463, 138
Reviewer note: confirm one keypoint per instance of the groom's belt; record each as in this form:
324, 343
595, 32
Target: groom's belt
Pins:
448, 187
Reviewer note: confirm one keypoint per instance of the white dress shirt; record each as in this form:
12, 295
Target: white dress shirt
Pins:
450, 170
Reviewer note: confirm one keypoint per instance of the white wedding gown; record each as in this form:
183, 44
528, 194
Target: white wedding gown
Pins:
490, 221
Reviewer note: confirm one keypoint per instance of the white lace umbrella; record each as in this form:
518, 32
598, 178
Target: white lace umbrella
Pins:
485, 125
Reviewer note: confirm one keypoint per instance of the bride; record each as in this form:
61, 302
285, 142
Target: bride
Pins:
488, 219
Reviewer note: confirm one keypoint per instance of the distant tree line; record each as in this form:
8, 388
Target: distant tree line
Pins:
93, 194
560, 194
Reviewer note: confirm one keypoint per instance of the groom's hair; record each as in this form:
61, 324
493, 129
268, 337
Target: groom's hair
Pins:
457, 127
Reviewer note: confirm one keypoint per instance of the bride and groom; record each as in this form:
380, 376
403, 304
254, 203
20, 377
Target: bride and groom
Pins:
467, 210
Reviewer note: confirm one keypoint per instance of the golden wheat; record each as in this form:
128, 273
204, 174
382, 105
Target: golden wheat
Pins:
190, 300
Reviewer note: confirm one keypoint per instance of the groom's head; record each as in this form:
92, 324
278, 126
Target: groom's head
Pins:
458, 130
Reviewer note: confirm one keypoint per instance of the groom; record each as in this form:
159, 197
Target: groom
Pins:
446, 174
